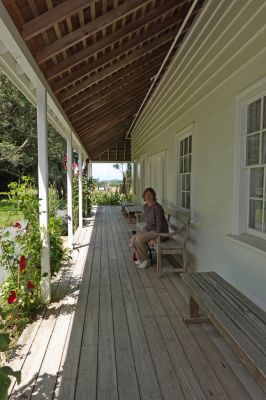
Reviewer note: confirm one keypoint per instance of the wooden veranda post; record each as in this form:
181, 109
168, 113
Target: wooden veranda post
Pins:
69, 190
43, 191
80, 190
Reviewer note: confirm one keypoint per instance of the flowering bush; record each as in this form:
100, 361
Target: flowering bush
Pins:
21, 252
5, 371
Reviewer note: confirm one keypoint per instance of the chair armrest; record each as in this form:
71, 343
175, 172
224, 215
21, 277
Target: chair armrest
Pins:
171, 234
139, 217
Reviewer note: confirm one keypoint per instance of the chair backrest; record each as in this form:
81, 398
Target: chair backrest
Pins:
183, 219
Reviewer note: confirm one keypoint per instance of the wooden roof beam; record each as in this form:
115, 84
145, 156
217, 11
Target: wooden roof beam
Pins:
86, 30
128, 72
87, 69
54, 16
105, 145
124, 93
161, 42
113, 90
107, 111
106, 129
82, 55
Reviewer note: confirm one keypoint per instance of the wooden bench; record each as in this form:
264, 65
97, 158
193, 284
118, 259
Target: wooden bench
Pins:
174, 242
238, 319
131, 211
124, 204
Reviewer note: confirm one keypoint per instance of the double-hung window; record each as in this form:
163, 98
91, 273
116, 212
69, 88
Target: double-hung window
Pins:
184, 172
255, 162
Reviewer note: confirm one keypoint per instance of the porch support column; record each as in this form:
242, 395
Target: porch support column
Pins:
69, 190
80, 190
43, 191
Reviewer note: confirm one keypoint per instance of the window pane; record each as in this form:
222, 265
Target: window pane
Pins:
186, 145
189, 163
188, 182
181, 166
253, 146
264, 113
183, 199
183, 182
186, 164
256, 182
181, 147
254, 110
263, 149
255, 215
188, 201
190, 144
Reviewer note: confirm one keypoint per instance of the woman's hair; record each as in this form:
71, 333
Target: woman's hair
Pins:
152, 191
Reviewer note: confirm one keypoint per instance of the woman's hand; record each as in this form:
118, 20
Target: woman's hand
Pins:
152, 242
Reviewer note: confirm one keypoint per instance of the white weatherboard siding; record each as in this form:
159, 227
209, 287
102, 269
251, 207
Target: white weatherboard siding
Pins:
224, 55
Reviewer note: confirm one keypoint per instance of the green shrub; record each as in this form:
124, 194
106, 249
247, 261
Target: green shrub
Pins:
5, 371
109, 198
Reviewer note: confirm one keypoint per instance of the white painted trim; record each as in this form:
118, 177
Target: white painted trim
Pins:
43, 185
69, 190
240, 186
80, 191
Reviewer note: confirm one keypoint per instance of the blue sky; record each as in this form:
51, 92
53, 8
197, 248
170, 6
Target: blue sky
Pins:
105, 171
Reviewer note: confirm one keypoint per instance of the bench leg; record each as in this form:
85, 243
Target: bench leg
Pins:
194, 314
185, 260
159, 260
194, 308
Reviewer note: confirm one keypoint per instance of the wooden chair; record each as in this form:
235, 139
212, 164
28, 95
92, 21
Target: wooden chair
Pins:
174, 242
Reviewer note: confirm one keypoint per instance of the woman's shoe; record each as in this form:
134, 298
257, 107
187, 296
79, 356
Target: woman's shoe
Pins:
137, 262
144, 264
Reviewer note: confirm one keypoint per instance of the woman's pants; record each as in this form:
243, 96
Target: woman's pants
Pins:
139, 243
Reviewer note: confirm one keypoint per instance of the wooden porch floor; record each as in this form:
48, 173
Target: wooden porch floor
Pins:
114, 332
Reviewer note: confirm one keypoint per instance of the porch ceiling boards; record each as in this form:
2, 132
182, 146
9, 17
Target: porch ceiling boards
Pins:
99, 56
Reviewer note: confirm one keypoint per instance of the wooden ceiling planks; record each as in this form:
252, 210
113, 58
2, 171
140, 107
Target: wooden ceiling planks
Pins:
99, 57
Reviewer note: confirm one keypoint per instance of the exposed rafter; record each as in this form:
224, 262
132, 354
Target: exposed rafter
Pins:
86, 30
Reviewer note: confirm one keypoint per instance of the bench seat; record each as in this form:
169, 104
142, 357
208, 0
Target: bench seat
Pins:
238, 319
125, 204
131, 211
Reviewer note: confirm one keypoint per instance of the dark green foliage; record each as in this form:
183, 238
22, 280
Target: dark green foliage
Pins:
18, 140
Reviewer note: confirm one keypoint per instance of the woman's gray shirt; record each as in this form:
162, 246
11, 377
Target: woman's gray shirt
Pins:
155, 218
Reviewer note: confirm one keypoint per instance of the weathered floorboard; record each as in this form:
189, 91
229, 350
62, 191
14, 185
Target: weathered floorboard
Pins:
117, 333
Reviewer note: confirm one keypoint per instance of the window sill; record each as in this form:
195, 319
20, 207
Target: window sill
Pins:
251, 242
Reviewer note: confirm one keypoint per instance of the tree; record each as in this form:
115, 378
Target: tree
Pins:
126, 175
18, 140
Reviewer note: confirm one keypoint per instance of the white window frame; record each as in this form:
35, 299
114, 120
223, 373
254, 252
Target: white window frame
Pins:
188, 131
240, 220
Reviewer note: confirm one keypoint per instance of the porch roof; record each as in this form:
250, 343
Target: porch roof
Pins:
99, 58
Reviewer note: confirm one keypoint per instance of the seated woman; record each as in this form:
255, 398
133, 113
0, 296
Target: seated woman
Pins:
155, 223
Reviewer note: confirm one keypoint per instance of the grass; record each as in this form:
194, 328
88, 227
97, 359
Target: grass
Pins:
8, 216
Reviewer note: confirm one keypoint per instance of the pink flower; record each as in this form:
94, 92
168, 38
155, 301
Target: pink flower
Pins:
17, 225
30, 285
22, 263
12, 298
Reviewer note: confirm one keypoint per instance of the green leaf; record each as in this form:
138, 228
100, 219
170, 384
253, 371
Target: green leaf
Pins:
10, 372
4, 385
4, 341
